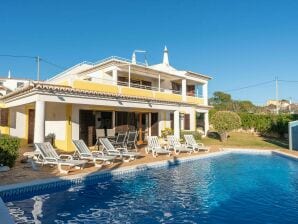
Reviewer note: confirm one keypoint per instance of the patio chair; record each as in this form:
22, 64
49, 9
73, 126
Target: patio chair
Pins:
100, 133
48, 155
120, 151
120, 140
132, 139
175, 144
192, 143
110, 132
82, 151
155, 147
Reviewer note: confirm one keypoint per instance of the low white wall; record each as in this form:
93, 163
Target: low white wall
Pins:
17, 121
55, 120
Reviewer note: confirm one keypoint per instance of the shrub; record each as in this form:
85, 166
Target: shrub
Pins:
224, 122
9, 150
165, 132
267, 124
197, 135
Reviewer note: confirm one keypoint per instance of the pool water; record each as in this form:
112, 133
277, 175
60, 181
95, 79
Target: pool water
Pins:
232, 188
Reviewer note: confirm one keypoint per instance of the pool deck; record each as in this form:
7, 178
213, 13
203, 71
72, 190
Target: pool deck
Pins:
22, 172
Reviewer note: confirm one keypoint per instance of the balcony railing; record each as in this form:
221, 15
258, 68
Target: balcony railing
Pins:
133, 89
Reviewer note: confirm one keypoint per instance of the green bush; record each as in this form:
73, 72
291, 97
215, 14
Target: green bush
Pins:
224, 122
165, 132
9, 150
197, 135
266, 124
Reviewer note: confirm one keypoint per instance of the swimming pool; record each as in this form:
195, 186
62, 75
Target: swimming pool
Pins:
231, 188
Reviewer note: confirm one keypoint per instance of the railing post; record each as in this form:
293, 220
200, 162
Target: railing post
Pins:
183, 89
159, 82
205, 93
129, 76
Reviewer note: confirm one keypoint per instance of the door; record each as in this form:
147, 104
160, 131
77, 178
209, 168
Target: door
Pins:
87, 126
154, 124
31, 126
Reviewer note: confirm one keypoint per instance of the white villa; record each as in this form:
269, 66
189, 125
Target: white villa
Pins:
113, 95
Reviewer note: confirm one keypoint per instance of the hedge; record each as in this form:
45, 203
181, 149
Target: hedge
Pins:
266, 124
9, 150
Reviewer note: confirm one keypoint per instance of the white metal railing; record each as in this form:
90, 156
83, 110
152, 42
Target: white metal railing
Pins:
136, 85
119, 59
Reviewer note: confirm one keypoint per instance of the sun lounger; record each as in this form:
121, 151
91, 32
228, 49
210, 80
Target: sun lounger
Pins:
122, 152
48, 155
120, 140
155, 147
191, 143
83, 152
175, 144
132, 139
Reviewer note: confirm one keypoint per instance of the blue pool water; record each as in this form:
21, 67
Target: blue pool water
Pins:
232, 188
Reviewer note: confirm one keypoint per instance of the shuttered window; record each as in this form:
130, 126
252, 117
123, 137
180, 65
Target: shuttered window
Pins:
4, 117
186, 122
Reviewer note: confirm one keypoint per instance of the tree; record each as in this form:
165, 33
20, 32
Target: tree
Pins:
220, 98
224, 122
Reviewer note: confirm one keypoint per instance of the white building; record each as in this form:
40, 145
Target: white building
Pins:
113, 95
9, 84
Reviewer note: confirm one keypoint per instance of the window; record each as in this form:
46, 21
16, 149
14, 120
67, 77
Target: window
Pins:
1, 83
172, 120
176, 87
19, 84
4, 117
190, 90
186, 122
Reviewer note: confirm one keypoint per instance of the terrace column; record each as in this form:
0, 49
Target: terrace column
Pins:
205, 93
115, 76
39, 122
176, 124
183, 88
149, 125
114, 120
206, 123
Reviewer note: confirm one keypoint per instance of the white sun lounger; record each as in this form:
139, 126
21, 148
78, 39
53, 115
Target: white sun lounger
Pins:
155, 147
48, 155
175, 144
191, 143
83, 152
121, 152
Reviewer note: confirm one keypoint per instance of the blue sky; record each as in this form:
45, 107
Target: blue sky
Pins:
238, 43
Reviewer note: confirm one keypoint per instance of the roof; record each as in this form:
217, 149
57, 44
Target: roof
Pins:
158, 67
42, 86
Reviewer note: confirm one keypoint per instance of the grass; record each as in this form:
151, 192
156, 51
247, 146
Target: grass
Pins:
245, 140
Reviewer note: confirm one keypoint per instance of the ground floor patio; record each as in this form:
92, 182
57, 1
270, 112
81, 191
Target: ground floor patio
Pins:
22, 172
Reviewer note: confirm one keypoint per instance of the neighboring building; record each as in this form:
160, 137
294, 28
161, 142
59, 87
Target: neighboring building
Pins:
113, 95
279, 103
9, 84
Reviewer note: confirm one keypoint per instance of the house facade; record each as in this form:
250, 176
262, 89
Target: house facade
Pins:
111, 96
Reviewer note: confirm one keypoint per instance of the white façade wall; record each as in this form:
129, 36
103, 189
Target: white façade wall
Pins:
55, 120
75, 122
17, 120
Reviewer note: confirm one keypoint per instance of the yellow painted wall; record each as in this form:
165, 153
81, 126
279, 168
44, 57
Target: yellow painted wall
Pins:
168, 97
87, 85
195, 100
136, 92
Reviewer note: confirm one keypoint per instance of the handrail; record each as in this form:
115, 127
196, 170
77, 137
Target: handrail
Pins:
134, 85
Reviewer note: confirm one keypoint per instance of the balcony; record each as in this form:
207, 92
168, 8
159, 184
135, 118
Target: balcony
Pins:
136, 90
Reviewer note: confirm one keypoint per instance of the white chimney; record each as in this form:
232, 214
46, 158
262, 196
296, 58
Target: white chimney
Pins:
165, 57
133, 58
9, 74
